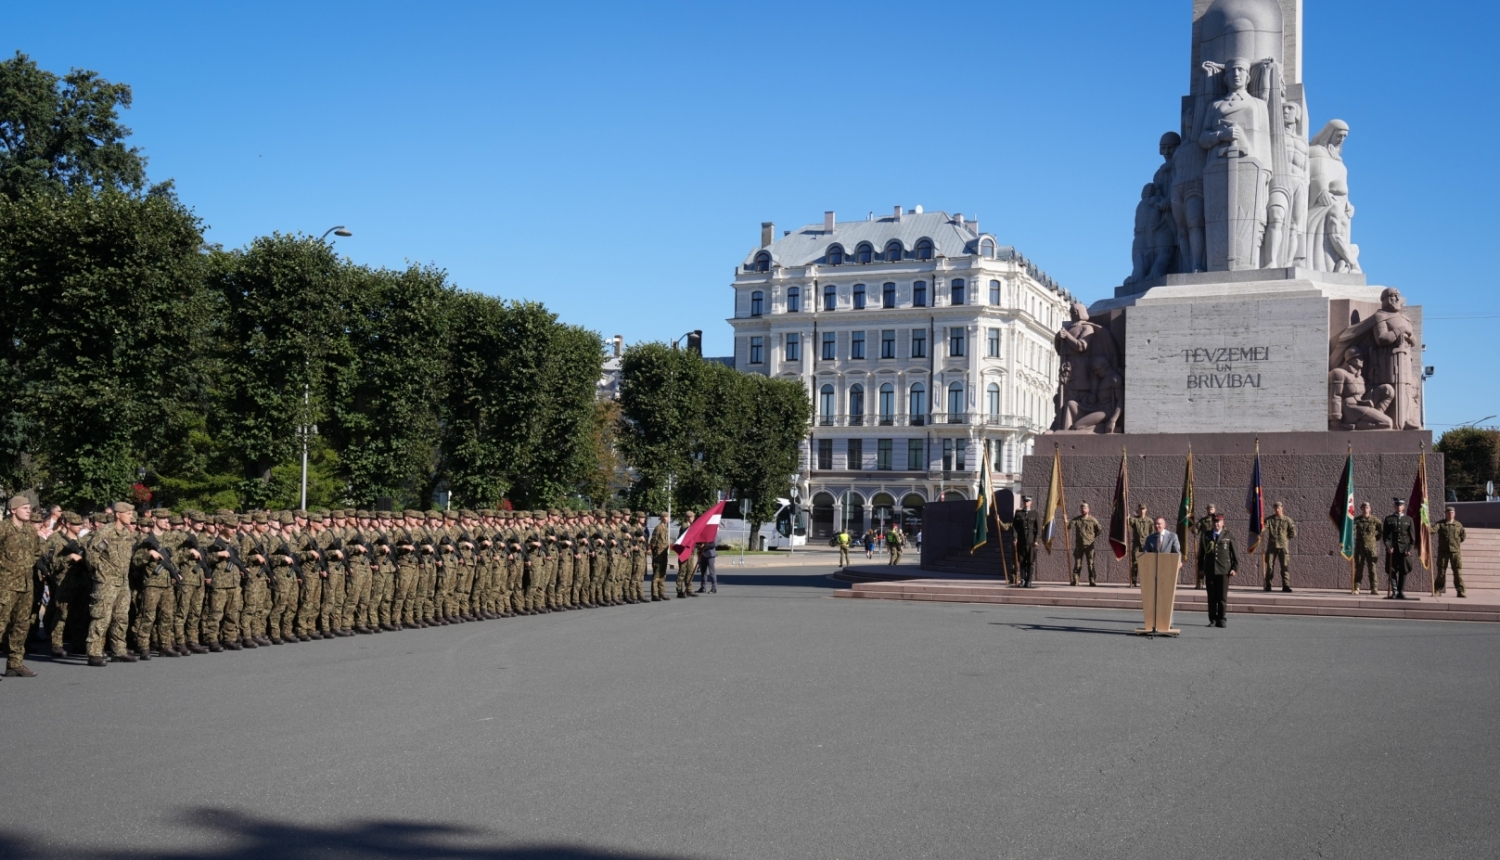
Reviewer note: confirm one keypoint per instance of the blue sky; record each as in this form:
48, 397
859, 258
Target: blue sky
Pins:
615, 160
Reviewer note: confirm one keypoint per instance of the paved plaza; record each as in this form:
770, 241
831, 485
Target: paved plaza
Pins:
772, 722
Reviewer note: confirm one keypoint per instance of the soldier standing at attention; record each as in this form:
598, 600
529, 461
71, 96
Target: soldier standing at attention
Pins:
685, 569
638, 557
1450, 538
191, 565
1139, 527
894, 541
156, 611
1028, 528
1204, 526
1399, 534
1366, 547
20, 547
221, 623
109, 552
285, 576
257, 588
1218, 561
69, 580
843, 540
1085, 531
1280, 532
661, 545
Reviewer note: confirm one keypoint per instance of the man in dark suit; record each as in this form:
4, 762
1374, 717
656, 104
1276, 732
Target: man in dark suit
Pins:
1028, 528
1400, 536
1217, 562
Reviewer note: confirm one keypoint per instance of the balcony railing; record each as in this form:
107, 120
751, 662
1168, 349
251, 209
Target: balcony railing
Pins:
1009, 422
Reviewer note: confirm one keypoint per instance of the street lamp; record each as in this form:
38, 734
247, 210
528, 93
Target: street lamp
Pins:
340, 231
306, 430
693, 337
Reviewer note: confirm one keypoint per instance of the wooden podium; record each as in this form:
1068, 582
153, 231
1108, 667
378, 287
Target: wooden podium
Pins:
1158, 592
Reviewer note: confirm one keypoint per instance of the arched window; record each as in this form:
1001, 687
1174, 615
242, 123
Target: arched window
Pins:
956, 403
992, 402
994, 292
856, 405
825, 405
859, 297
757, 303
958, 291
835, 255
763, 262
893, 251
830, 298
918, 403
919, 294
888, 295
793, 300
923, 250
987, 248
864, 252
887, 404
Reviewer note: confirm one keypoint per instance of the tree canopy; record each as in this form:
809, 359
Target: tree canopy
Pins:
1471, 458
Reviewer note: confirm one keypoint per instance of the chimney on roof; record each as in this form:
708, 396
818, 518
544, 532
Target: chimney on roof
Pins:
898, 212
619, 340
828, 221
958, 218
767, 232
917, 210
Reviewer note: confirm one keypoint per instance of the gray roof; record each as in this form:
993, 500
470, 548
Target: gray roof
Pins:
809, 244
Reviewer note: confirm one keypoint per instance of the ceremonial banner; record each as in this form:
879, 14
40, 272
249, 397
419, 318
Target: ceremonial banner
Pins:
1342, 510
1119, 540
1055, 501
1255, 504
1416, 508
1185, 507
705, 529
982, 504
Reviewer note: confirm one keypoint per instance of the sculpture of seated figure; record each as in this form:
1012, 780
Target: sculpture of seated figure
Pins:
1100, 409
1350, 407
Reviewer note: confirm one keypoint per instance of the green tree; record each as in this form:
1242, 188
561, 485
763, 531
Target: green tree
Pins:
1471, 457
778, 415
662, 403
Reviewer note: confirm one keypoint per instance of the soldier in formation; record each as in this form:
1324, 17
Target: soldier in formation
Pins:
1204, 526
1085, 531
1280, 531
1140, 527
194, 583
1450, 538
1028, 528
1366, 548
1399, 534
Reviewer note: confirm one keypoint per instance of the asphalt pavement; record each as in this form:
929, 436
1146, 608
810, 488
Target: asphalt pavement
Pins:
769, 721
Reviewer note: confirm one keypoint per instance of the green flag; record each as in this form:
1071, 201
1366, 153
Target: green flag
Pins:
1341, 512
982, 504
1185, 507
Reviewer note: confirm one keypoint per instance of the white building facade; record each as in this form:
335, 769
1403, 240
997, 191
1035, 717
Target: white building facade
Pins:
921, 340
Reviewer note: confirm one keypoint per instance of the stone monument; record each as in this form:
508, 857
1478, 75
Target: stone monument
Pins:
1246, 314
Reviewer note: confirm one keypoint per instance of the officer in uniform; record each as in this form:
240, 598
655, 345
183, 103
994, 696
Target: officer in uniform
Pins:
1217, 562
661, 545
1204, 525
1399, 534
1085, 531
1366, 548
1450, 538
1138, 528
1028, 528
1280, 532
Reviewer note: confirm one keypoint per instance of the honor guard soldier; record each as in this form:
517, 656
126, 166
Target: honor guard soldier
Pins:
1085, 531
1399, 534
1366, 548
1280, 532
1450, 538
1217, 561
1204, 526
1139, 528
1028, 528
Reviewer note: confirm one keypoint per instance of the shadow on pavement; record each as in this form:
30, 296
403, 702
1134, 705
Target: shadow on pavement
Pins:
253, 838
1064, 628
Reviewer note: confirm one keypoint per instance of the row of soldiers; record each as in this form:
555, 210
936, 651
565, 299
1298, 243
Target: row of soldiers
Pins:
194, 583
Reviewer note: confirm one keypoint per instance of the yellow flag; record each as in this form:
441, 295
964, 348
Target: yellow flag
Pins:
1055, 502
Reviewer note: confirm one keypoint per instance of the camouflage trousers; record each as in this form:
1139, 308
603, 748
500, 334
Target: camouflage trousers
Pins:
309, 601
283, 615
15, 623
685, 573
1273, 558
404, 595
357, 597
637, 576
382, 591
221, 621
659, 575
1081, 556
426, 592
331, 607
156, 613
1364, 570
1446, 560
516, 573
189, 613
109, 613
64, 613
256, 605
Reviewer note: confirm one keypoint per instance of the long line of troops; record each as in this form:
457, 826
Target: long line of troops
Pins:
194, 583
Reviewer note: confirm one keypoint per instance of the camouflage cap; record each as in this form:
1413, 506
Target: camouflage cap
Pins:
467, 513
413, 514
228, 519
450, 515
260, 519
434, 515
177, 520
363, 515
350, 512
286, 518
72, 519
38, 517
386, 516
161, 513
18, 500
315, 517
223, 512
121, 507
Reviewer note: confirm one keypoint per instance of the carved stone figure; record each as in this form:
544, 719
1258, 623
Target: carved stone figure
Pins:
1100, 409
1391, 359
1329, 214
1236, 179
1089, 377
1187, 200
1286, 218
1350, 407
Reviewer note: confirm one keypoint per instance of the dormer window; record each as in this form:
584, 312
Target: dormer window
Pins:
762, 262
987, 248
835, 255
864, 252
923, 250
893, 252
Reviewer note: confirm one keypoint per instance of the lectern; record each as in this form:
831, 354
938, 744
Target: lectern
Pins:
1158, 592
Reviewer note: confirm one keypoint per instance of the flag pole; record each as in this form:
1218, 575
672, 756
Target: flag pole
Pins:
1353, 581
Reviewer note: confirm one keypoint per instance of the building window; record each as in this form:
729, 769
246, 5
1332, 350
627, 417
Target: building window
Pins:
992, 347
888, 343
864, 252
883, 454
856, 454
923, 250
961, 454
956, 341
825, 453
956, 403
919, 343
994, 292
893, 251
757, 350
859, 297
757, 303
825, 405
947, 455
856, 405
958, 291
793, 346
915, 456
919, 294
888, 295
992, 402
830, 298
918, 403
830, 346
857, 345
887, 404
793, 300
835, 255
987, 248
762, 262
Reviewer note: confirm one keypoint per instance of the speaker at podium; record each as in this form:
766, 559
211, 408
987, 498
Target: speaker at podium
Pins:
1158, 592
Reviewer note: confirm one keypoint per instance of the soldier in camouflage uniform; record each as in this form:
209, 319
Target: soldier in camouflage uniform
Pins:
427, 570
382, 574
1366, 548
331, 609
1449, 536
1085, 531
156, 609
256, 592
20, 547
638, 559
109, 553
68, 581
660, 548
1280, 531
685, 568
310, 560
191, 563
1139, 528
286, 574
221, 618
359, 543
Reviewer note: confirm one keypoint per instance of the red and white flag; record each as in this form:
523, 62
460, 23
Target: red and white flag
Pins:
705, 529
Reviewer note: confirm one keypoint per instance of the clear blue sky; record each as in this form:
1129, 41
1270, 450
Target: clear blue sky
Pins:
615, 160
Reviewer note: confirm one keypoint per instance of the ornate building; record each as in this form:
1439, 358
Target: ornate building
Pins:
921, 341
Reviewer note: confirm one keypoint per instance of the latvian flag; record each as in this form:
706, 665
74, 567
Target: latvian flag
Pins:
705, 529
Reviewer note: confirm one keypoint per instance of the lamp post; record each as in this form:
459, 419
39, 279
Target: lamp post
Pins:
340, 231
305, 430
671, 380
